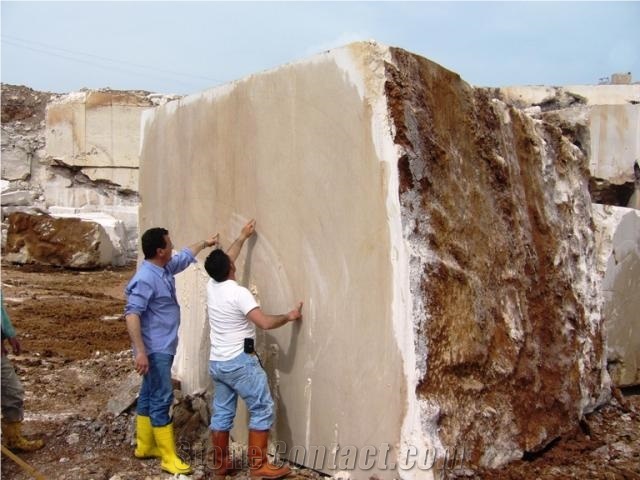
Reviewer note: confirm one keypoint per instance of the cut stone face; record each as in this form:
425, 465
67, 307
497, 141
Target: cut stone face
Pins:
618, 235
615, 141
441, 241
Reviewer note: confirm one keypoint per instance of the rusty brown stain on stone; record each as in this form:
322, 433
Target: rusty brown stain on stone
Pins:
472, 190
49, 240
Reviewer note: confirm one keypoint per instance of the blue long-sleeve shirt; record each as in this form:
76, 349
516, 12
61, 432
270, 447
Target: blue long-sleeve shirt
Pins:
151, 294
7, 328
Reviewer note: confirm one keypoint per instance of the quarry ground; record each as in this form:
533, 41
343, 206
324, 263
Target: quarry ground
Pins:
75, 359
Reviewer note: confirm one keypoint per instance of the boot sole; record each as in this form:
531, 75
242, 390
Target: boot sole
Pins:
262, 477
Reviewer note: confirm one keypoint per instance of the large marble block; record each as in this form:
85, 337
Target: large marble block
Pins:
441, 240
62, 242
98, 131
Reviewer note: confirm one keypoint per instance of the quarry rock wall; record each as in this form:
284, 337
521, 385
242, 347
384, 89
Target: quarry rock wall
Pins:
441, 239
75, 155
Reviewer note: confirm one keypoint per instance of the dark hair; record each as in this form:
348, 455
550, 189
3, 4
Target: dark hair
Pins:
152, 240
218, 265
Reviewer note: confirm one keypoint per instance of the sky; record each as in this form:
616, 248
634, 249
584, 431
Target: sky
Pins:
187, 47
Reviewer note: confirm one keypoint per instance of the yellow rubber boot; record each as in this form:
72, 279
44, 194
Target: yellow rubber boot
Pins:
171, 462
145, 442
12, 431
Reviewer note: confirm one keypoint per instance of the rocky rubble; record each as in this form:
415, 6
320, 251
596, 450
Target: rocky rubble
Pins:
87, 441
22, 141
93, 443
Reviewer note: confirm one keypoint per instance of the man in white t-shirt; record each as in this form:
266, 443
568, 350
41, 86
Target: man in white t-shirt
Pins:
235, 368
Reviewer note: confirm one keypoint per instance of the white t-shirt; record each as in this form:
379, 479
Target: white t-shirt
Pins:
227, 306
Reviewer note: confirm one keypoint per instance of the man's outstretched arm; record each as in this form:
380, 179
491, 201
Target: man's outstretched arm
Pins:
247, 231
269, 322
212, 241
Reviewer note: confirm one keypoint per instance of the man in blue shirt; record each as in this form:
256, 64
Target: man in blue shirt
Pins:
152, 314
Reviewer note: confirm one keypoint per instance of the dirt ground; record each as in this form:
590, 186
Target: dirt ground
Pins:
76, 359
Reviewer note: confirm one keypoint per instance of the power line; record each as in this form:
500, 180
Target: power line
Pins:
71, 55
75, 52
79, 60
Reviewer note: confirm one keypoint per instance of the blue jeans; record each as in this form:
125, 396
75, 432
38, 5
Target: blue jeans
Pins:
242, 375
156, 394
